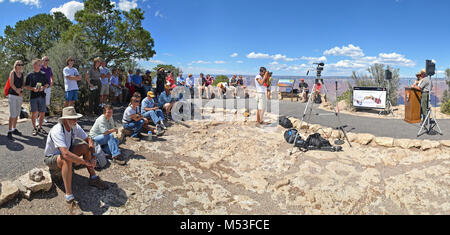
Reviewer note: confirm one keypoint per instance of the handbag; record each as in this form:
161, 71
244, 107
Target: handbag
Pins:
7, 87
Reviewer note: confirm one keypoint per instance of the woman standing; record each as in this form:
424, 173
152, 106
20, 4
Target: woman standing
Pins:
93, 80
15, 97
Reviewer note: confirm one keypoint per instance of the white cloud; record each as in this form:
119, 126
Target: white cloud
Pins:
126, 5
219, 62
200, 62
350, 50
37, 3
240, 62
234, 55
395, 59
315, 59
69, 9
254, 55
159, 14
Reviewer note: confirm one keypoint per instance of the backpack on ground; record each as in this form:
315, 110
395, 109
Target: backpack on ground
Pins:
318, 99
290, 136
285, 122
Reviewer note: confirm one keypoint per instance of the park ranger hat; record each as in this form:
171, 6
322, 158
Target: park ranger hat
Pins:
70, 113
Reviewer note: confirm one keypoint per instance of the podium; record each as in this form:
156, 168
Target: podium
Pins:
412, 105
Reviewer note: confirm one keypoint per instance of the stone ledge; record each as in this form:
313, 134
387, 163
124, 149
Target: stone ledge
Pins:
366, 139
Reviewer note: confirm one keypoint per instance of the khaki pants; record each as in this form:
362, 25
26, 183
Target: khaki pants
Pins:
424, 104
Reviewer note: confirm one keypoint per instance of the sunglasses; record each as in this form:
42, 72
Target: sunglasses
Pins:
19, 65
46, 60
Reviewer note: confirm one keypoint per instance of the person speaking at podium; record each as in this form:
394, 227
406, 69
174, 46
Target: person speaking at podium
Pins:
424, 85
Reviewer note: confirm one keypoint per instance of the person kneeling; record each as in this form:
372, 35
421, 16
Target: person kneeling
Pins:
150, 110
68, 144
165, 100
102, 133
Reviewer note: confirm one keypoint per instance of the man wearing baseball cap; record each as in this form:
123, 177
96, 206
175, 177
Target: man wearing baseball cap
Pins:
68, 144
149, 109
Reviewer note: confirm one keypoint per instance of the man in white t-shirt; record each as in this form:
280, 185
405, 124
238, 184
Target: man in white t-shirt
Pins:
261, 99
71, 76
68, 144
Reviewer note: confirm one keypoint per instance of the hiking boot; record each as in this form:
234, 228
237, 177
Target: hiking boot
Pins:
34, 132
10, 137
119, 160
16, 132
74, 208
98, 183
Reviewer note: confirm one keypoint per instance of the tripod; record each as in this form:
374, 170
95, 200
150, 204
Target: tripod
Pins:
389, 108
309, 105
430, 121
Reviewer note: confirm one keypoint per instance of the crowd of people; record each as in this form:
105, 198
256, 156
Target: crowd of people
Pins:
147, 110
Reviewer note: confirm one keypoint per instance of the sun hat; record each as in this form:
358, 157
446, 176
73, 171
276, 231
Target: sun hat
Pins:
423, 71
190, 75
302, 80
151, 94
70, 113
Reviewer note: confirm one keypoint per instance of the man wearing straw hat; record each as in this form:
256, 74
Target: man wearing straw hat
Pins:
68, 144
425, 86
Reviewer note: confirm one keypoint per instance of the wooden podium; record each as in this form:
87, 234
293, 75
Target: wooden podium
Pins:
412, 105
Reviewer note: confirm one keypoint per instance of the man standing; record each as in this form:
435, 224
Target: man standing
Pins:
304, 90
425, 86
136, 81
49, 75
71, 76
105, 76
36, 82
68, 144
261, 100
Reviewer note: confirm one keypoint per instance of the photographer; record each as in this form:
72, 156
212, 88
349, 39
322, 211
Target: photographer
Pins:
304, 90
261, 99
160, 81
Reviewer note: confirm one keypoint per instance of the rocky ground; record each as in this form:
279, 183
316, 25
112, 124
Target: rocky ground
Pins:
234, 167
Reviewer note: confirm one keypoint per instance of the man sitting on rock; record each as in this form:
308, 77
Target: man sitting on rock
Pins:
149, 109
68, 144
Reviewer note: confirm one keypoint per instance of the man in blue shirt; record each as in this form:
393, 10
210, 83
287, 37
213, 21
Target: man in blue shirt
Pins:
149, 109
181, 81
136, 81
165, 100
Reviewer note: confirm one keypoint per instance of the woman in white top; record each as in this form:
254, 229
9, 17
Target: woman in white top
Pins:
15, 97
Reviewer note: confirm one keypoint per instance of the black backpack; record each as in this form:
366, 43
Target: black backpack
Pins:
290, 135
318, 99
285, 122
317, 141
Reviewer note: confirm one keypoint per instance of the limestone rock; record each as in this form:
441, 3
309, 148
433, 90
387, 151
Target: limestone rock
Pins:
282, 183
36, 175
428, 144
445, 143
364, 139
352, 137
336, 134
314, 127
415, 144
401, 143
8, 191
384, 141
45, 184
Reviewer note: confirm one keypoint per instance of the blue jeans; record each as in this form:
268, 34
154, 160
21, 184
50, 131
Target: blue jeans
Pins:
111, 142
156, 116
135, 127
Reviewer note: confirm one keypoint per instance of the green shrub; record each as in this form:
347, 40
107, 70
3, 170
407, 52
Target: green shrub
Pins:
445, 107
220, 78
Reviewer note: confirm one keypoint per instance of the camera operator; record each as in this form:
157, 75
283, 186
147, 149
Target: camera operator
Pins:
160, 81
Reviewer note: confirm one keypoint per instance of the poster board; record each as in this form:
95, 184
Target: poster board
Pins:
369, 97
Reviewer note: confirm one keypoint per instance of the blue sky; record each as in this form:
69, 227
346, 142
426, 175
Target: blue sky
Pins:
239, 36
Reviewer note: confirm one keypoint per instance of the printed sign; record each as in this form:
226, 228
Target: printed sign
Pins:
369, 97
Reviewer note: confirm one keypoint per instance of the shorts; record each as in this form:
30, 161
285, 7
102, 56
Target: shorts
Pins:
15, 105
72, 95
38, 105
105, 89
261, 101
51, 161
